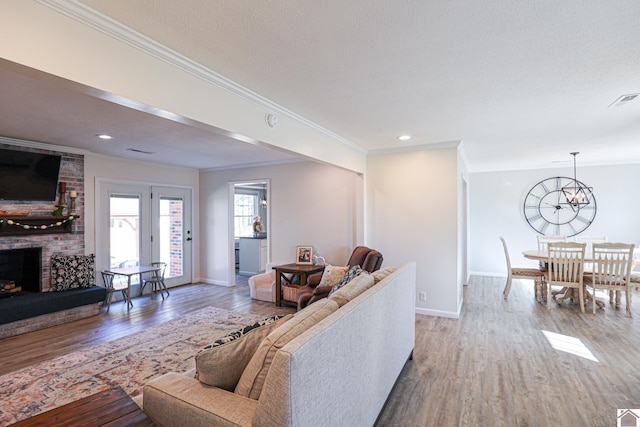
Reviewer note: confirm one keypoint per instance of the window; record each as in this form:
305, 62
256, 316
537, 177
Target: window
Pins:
246, 207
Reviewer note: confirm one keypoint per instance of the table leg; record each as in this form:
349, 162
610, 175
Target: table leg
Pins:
278, 289
129, 303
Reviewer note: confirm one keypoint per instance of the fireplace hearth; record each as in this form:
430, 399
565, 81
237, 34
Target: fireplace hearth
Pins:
22, 267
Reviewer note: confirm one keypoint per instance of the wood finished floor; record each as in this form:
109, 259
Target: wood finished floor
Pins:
492, 367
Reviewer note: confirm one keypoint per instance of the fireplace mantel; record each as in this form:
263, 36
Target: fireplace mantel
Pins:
30, 225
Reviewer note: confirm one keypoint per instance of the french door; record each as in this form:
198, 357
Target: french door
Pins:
145, 224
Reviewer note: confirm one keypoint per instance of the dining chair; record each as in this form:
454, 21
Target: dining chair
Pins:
543, 241
522, 273
157, 280
565, 268
611, 271
113, 287
589, 240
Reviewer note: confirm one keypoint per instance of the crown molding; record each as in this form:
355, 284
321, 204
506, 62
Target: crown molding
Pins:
109, 26
42, 146
422, 147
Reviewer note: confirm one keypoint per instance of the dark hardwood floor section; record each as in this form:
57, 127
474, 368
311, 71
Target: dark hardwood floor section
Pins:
27, 349
504, 362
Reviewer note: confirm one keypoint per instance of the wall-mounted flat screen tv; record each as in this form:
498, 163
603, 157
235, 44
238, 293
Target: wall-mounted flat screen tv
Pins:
26, 176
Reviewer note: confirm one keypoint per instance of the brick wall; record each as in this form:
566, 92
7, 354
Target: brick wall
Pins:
71, 172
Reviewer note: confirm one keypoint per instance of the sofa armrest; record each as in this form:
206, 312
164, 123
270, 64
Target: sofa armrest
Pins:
178, 400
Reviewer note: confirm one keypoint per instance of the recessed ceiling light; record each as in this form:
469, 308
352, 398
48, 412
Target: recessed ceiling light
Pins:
104, 136
404, 137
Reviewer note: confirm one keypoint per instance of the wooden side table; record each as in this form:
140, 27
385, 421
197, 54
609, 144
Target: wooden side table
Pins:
303, 271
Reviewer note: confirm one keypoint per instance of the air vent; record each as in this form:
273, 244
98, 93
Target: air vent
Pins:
624, 100
135, 150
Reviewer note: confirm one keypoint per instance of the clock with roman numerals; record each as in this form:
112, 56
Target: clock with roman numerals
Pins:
548, 212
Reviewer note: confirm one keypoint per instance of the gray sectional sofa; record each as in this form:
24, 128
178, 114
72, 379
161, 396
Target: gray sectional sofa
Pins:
332, 364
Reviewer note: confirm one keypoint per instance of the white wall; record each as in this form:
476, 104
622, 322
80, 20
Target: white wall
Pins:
412, 214
310, 204
496, 200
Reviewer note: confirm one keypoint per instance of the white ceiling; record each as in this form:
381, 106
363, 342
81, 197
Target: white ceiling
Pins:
521, 83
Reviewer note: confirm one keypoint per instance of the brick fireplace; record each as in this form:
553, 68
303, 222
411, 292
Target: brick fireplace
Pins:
67, 243
21, 268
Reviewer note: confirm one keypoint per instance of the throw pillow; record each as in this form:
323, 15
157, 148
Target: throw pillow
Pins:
382, 274
72, 271
332, 274
352, 289
222, 362
253, 377
353, 272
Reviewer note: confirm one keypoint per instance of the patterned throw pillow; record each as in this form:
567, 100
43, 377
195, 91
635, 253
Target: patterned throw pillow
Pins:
353, 272
222, 362
72, 271
332, 275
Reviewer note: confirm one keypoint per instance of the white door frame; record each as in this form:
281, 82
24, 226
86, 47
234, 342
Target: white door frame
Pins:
231, 216
106, 187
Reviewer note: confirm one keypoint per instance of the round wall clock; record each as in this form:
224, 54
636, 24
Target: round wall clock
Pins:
548, 212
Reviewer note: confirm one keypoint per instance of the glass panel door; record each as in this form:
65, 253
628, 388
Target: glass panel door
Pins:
124, 230
171, 240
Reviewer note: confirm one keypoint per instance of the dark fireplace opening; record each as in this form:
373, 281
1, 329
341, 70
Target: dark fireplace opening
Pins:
20, 268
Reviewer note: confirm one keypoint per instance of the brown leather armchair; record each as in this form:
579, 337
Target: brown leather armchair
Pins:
368, 259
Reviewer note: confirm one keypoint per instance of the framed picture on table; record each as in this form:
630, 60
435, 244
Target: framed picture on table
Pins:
304, 255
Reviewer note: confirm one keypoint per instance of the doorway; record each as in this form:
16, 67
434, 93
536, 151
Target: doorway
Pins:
144, 224
249, 225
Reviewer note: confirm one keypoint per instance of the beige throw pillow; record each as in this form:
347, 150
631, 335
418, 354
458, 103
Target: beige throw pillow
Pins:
352, 289
332, 275
221, 363
382, 274
253, 377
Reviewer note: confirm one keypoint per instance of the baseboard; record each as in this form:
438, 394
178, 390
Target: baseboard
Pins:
438, 313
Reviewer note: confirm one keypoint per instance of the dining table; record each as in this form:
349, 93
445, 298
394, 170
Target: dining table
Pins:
129, 272
564, 293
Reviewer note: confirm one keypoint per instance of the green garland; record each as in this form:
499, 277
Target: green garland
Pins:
39, 227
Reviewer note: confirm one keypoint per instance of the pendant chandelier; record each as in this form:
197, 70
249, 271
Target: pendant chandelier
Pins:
576, 193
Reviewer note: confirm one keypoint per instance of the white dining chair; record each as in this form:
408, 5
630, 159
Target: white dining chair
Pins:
522, 273
611, 271
543, 241
565, 268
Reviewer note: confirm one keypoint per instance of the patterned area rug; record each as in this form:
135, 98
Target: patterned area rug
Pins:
129, 362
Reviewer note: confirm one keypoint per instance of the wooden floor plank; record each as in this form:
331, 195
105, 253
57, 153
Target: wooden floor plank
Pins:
493, 366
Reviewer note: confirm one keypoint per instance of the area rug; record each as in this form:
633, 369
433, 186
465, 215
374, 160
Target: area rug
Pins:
129, 362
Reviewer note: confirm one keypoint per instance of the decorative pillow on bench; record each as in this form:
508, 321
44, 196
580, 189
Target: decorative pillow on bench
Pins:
72, 271
221, 363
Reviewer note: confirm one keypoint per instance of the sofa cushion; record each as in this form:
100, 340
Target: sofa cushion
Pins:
382, 274
254, 375
353, 272
222, 362
332, 275
352, 289
72, 271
